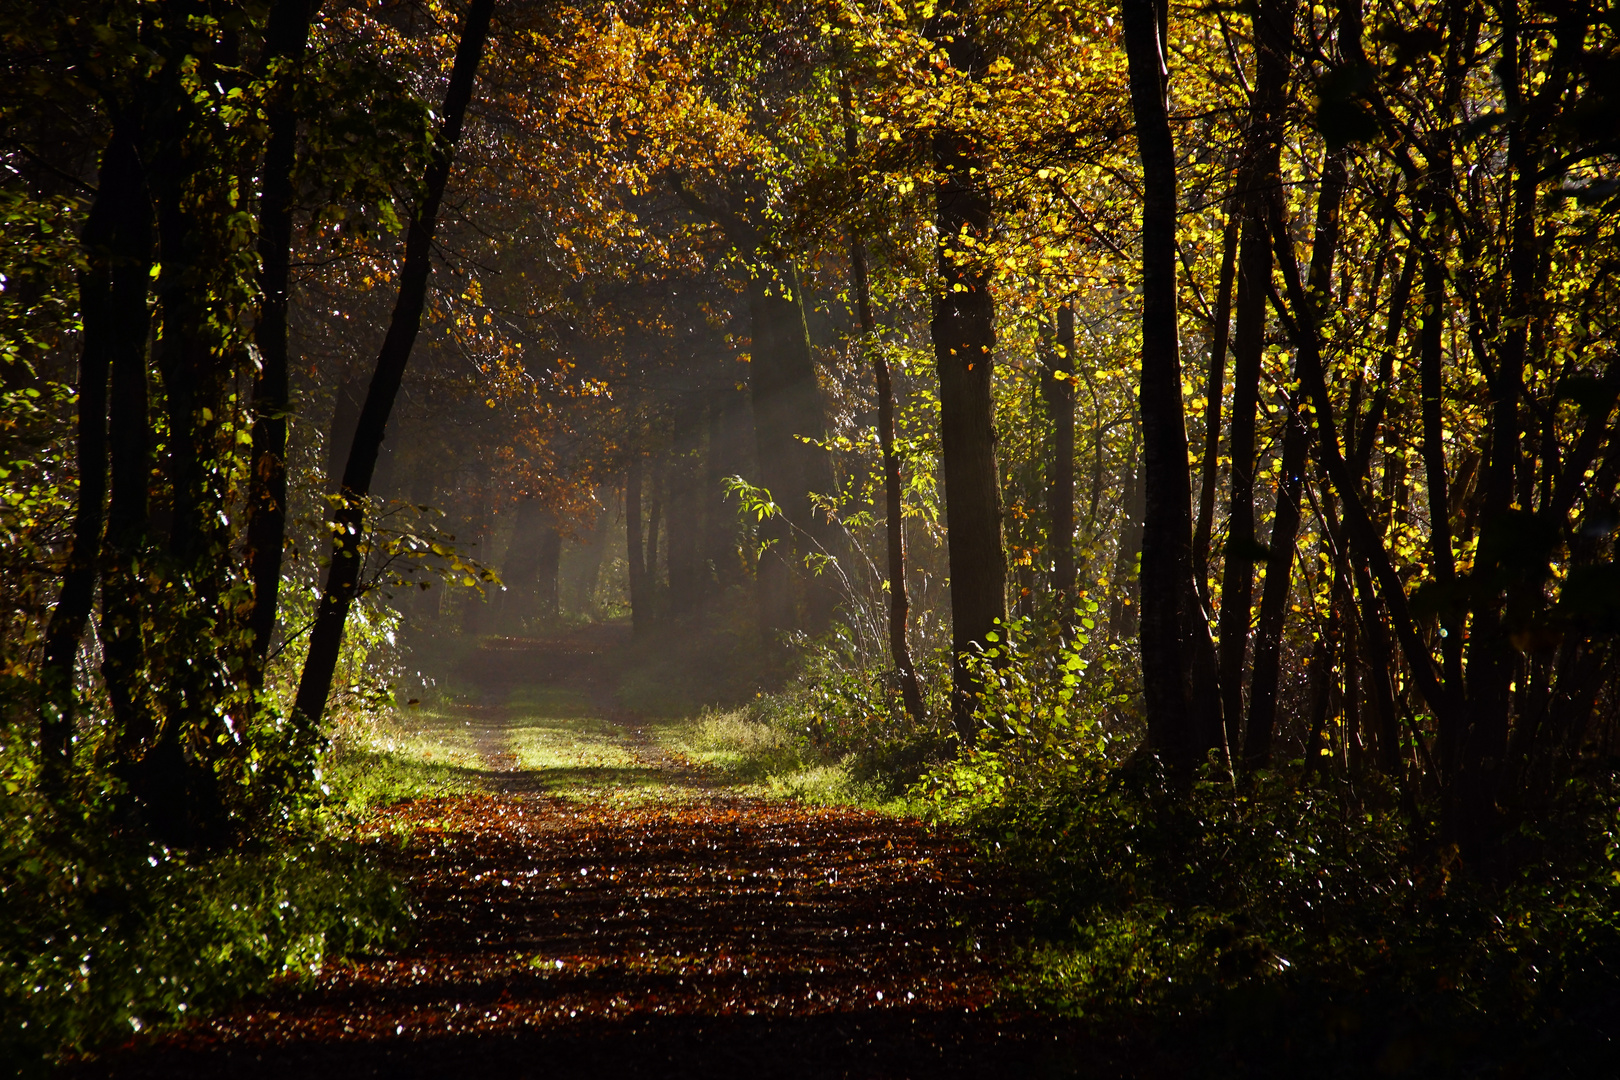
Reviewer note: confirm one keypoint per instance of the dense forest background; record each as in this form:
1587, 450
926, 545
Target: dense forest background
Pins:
1179, 441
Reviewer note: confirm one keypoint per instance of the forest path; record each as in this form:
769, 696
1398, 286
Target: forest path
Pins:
648, 924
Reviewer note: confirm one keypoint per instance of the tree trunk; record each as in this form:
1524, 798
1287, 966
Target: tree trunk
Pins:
684, 529
1237, 581
1214, 389
1285, 516
112, 291
964, 335
286, 36
640, 608
1057, 390
894, 525
788, 407
521, 566
655, 586
326, 638
1125, 618
549, 561
1258, 179
1178, 658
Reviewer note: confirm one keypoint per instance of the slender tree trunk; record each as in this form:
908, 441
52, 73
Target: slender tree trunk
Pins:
640, 613
787, 403
1057, 390
326, 638
655, 587
548, 600
894, 525
520, 567
1260, 178
286, 36
1237, 581
1124, 620
684, 527
1178, 658
1274, 600
112, 291
1285, 517
964, 337
1214, 389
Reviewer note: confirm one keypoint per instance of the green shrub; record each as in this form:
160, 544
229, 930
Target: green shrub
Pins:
102, 934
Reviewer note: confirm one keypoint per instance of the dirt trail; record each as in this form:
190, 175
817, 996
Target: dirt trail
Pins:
716, 936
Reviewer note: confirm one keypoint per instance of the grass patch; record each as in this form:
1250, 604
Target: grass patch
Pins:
423, 754
764, 759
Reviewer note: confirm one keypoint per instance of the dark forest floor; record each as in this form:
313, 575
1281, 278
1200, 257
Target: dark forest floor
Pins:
685, 931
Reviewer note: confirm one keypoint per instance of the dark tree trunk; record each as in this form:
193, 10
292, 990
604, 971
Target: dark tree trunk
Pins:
1178, 658
286, 36
1274, 601
326, 638
640, 605
1057, 389
1125, 618
1259, 178
894, 525
787, 406
655, 514
786, 403
1237, 581
520, 569
684, 527
112, 291
727, 456
1214, 389
549, 561
1285, 518
130, 457
964, 336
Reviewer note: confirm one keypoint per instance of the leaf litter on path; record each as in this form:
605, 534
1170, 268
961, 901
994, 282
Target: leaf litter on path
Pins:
719, 938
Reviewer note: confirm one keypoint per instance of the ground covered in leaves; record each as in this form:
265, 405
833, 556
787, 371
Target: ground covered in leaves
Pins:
590, 902
719, 937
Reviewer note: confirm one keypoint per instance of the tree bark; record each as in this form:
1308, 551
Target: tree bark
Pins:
112, 291
894, 525
1057, 391
548, 600
964, 338
1214, 390
326, 638
640, 612
286, 36
1178, 658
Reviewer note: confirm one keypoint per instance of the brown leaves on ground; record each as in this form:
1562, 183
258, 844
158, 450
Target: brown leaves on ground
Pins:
728, 937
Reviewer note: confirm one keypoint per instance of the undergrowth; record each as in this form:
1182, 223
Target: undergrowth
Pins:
1283, 922
104, 935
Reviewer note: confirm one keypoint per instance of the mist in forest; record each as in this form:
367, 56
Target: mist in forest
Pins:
1161, 459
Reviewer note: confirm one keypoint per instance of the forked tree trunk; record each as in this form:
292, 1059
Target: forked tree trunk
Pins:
326, 638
